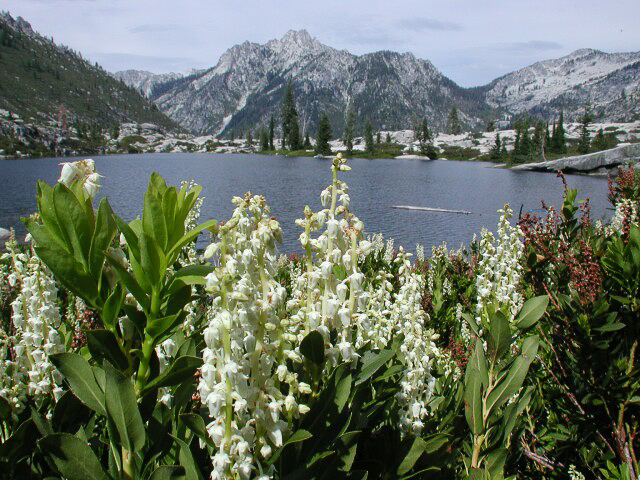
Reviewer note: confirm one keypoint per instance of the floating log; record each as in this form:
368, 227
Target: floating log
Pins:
429, 209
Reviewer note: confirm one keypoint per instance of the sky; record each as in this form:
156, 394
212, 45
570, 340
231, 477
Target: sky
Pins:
470, 41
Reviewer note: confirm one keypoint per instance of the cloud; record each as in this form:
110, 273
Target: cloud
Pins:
531, 46
151, 28
423, 24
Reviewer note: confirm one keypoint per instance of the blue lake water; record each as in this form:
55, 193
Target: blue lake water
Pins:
291, 183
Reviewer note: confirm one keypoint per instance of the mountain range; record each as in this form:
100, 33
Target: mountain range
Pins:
43, 82
39, 79
391, 89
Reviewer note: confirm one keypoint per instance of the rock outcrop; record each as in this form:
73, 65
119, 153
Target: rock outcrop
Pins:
591, 162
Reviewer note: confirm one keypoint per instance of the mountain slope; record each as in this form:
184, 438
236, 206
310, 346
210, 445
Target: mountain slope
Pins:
37, 77
583, 77
247, 85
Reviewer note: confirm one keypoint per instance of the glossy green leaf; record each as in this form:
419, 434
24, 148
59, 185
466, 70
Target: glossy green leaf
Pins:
153, 221
196, 424
48, 213
346, 445
129, 235
472, 324
412, 448
74, 224
188, 238
82, 381
371, 363
531, 311
312, 347
130, 283
105, 230
517, 373
122, 409
103, 345
189, 275
499, 337
610, 327
73, 458
155, 328
70, 273
179, 370
152, 259
112, 307
297, 437
168, 472
186, 460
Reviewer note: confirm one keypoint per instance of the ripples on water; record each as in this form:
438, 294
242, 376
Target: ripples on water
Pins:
291, 183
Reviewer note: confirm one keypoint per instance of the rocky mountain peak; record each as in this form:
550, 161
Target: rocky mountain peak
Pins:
19, 24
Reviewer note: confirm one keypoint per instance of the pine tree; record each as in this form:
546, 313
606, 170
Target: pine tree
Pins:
562, 141
585, 138
307, 142
324, 135
453, 122
426, 145
350, 130
264, 139
290, 128
249, 138
378, 138
272, 128
388, 140
497, 148
368, 137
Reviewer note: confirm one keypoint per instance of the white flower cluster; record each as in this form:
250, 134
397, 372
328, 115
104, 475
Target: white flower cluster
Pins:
33, 335
165, 352
330, 296
377, 242
191, 222
245, 356
418, 348
85, 172
420, 252
499, 270
626, 213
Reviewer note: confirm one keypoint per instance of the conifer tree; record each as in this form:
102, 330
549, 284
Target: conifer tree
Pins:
368, 137
249, 138
388, 139
378, 138
289, 114
561, 142
426, 145
307, 142
264, 139
324, 135
497, 148
453, 122
350, 130
272, 128
585, 138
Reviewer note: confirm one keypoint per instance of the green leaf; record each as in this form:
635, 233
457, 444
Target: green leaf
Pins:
186, 460
155, 328
473, 402
112, 308
130, 283
413, 448
48, 213
103, 345
74, 224
42, 424
5, 409
188, 238
196, 424
499, 337
371, 363
297, 437
478, 364
347, 445
435, 442
129, 235
312, 347
180, 370
517, 373
122, 409
105, 230
43, 235
81, 379
511, 417
153, 221
73, 458
472, 324
152, 259
169, 204
610, 327
168, 472
495, 463
531, 311
190, 275
70, 273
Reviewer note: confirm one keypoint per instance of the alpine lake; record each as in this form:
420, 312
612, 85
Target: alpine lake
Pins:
290, 183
